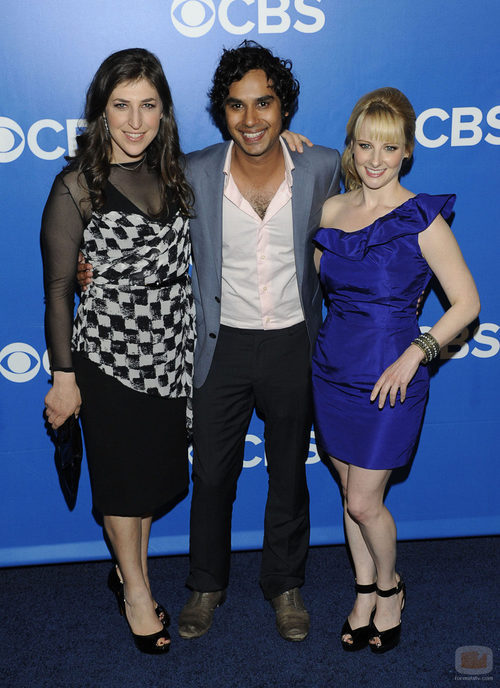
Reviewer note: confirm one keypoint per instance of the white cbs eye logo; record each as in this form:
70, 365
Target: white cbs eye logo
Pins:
193, 18
9, 151
19, 362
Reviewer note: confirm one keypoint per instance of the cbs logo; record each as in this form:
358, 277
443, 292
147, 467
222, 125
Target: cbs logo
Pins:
195, 18
466, 342
40, 138
464, 128
253, 459
20, 362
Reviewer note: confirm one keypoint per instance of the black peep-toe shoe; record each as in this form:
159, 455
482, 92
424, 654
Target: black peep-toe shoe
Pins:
361, 635
116, 587
148, 643
144, 643
389, 638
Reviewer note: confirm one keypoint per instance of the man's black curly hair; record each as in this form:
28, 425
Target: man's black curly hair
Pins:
233, 66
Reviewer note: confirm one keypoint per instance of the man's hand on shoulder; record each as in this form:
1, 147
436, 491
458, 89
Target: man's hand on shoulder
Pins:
295, 141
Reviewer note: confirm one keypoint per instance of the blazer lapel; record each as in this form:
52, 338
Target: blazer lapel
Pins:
302, 193
209, 192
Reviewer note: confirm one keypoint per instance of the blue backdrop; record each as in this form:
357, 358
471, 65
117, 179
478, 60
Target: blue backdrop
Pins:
443, 54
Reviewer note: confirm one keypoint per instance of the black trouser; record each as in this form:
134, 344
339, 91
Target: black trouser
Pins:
268, 371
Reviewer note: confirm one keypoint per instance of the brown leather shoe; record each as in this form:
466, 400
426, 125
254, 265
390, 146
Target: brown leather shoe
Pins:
292, 618
196, 616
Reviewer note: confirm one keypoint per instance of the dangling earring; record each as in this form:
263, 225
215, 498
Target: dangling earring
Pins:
106, 127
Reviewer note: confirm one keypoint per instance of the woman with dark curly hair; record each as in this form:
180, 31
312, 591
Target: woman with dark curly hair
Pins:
127, 359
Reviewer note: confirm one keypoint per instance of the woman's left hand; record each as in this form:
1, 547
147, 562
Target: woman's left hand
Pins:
397, 377
63, 399
295, 141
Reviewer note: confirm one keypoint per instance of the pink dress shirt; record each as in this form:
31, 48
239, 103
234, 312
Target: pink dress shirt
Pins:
259, 280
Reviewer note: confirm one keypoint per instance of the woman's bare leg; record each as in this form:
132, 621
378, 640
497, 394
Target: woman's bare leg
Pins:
364, 566
145, 532
365, 506
126, 536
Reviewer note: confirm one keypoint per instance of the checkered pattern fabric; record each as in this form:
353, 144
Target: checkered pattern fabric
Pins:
136, 320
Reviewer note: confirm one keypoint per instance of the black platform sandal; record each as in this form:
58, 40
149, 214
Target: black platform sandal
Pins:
148, 644
145, 643
116, 587
360, 635
389, 638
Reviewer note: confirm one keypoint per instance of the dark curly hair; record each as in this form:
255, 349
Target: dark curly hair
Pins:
235, 63
163, 153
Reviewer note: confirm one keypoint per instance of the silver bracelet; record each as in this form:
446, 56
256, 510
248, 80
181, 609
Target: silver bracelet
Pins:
429, 345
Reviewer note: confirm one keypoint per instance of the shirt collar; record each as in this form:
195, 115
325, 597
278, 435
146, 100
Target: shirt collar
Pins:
289, 166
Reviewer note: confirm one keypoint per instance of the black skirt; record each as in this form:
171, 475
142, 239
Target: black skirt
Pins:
136, 444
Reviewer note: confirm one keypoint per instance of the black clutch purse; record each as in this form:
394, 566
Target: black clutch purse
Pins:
68, 458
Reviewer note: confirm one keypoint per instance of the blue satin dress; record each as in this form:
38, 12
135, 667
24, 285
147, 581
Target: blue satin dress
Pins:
372, 279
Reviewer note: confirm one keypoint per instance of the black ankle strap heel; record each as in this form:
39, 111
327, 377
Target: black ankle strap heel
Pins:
389, 638
361, 635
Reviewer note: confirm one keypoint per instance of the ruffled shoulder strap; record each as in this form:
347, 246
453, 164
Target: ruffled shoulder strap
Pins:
412, 217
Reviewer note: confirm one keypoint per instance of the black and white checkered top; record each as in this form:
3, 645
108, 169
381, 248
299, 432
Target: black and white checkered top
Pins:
136, 321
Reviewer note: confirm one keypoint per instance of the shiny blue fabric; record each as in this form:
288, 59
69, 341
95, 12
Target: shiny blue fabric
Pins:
372, 279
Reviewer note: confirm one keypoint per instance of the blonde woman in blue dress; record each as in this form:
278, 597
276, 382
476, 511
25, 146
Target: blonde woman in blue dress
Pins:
377, 249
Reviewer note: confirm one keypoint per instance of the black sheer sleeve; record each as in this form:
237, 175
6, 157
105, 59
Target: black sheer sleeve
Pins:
62, 230
67, 212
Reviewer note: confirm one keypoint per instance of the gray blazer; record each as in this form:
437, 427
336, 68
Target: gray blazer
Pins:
315, 178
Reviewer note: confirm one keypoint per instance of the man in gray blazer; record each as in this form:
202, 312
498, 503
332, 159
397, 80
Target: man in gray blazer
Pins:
258, 311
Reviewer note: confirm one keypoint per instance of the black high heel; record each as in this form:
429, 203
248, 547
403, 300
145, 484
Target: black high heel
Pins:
144, 643
360, 635
116, 586
389, 638
148, 643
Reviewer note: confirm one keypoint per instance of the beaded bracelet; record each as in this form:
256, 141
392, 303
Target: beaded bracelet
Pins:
429, 345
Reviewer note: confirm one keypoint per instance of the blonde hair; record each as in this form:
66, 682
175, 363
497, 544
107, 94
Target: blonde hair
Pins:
392, 118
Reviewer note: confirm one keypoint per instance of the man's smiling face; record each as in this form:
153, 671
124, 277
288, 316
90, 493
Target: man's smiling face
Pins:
253, 114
